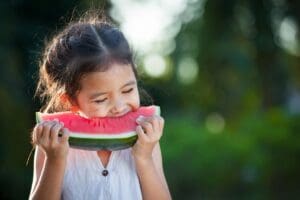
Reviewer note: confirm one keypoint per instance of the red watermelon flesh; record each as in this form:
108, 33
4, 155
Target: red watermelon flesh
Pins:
111, 133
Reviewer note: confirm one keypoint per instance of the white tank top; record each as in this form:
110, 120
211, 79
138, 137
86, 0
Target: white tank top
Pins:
86, 178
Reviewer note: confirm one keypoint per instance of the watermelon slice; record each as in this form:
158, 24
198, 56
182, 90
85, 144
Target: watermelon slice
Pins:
110, 133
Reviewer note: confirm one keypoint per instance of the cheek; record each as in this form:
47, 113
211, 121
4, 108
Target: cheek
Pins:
136, 100
94, 110
80, 103
100, 113
89, 109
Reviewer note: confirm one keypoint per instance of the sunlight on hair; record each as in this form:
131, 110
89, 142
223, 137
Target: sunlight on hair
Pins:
187, 70
215, 123
155, 65
152, 25
288, 31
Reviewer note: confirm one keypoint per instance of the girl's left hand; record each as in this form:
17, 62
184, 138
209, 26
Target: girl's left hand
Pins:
149, 131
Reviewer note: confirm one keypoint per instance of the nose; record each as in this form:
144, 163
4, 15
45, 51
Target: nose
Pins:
119, 106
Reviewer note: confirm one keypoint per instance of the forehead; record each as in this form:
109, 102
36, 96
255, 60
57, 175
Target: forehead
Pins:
115, 76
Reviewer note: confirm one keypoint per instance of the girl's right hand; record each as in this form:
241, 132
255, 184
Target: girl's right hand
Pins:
46, 136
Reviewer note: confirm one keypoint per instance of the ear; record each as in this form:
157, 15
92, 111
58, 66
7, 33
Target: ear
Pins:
65, 99
68, 103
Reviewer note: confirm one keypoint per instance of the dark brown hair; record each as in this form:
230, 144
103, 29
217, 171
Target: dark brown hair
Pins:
82, 47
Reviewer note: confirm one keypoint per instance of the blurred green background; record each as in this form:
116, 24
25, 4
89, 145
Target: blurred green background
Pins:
227, 78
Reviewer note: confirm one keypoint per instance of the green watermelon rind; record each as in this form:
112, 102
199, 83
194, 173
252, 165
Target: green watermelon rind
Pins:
98, 144
102, 141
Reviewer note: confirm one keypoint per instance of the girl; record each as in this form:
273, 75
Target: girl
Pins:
88, 68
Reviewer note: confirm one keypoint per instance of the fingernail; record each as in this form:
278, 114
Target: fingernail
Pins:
139, 119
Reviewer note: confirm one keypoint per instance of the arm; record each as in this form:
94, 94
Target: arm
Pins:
49, 161
151, 176
148, 159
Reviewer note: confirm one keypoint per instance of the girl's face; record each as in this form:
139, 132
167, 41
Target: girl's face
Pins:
111, 93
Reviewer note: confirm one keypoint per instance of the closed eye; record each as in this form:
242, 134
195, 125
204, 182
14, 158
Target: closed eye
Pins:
100, 100
127, 91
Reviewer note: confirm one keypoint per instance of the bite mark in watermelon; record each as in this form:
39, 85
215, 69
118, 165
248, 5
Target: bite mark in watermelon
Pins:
110, 133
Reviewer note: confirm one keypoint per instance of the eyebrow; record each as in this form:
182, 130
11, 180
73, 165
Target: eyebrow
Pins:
93, 96
129, 83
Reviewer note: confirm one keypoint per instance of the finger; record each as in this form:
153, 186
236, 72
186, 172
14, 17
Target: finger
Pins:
155, 124
139, 121
65, 136
147, 127
142, 118
61, 132
156, 128
43, 124
161, 123
39, 132
46, 130
140, 132
54, 132
154, 120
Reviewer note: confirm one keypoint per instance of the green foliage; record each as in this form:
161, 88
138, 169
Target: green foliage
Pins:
257, 159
